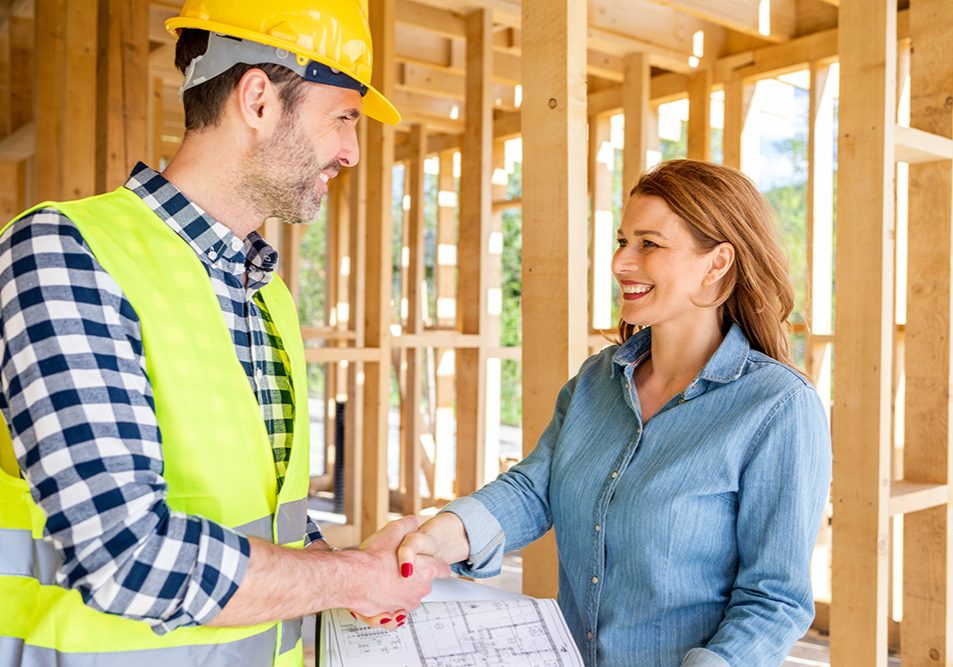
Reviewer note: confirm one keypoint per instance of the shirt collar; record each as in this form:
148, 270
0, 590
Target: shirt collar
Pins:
210, 239
726, 365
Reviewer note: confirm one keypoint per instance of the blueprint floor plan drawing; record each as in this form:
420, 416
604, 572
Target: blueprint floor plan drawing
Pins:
466, 633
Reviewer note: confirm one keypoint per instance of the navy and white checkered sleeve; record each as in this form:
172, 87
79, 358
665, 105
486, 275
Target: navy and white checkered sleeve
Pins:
75, 394
312, 533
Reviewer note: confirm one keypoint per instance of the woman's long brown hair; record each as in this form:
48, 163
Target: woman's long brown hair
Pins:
721, 205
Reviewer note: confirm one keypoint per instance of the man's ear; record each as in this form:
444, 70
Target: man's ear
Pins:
722, 258
259, 105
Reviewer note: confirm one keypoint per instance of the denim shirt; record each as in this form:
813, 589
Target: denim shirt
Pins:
686, 540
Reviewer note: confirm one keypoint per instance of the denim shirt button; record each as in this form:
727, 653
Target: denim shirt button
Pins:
595, 580
589, 636
598, 527
615, 473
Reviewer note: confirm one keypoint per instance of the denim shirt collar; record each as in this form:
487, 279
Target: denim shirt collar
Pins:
726, 365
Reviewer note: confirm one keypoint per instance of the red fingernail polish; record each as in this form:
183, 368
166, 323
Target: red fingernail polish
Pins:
400, 625
401, 618
353, 615
406, 569
385, 621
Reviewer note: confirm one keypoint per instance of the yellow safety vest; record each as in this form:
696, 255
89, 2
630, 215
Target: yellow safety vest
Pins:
218, 458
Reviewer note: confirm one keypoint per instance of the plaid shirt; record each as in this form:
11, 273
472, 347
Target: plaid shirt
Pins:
75, 394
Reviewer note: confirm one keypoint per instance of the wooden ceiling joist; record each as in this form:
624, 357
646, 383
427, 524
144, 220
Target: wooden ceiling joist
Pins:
775, 21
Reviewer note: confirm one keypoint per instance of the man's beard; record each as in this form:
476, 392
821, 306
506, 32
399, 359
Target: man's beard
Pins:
278, 177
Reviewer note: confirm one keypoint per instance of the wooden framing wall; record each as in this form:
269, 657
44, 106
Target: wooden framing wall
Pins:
94, 57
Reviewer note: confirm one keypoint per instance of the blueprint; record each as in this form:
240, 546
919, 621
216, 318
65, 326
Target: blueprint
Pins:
465, 633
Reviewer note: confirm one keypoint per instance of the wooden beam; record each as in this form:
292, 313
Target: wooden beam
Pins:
699, 115
927, 629
775, 20
122, 102
635, 106
863, 329
554, 229
444, 357
601, 224
377, 279
410, 406
50, 27
475, 197
914, 146
738, 96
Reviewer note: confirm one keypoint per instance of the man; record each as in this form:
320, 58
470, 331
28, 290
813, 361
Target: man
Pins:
155, 455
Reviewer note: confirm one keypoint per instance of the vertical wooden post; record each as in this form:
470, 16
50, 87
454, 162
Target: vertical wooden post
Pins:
380, 156
601, 162
926, 635
122, 101
635, 106
477, 155
554, 230
737, 103
494, 310
699, 115
446, 278
357, 308
410, 408
157, 120
9, 172
50, 26
867, 38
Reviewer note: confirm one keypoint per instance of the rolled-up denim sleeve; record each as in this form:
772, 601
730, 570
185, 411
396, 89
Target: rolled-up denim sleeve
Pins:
513, 510
782, 492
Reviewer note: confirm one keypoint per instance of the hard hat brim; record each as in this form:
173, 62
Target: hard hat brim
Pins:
376, 106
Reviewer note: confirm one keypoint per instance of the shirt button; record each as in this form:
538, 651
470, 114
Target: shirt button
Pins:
595, 580
212, 255
615, 473
237, 244
589, 636
258, 374
598, 527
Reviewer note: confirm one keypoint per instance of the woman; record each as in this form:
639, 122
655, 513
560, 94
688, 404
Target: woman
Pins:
685, 470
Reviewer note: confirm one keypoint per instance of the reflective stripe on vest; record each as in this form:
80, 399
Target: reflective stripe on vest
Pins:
255, 650
23, 556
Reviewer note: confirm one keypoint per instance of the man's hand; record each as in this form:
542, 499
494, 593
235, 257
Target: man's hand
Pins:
386, 585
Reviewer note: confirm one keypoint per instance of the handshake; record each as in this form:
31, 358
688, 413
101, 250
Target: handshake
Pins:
405, 559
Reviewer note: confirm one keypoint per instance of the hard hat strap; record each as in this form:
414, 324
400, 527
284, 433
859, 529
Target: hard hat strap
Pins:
224, 52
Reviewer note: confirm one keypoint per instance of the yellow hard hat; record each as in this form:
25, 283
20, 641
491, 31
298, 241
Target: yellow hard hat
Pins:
334, 33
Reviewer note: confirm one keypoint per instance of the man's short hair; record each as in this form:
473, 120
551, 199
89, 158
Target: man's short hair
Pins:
203, 103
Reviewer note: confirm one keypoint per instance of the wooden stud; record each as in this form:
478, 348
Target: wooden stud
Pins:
738, 95
475, 198
864, 332
601, 164
635, 106
699, 115
926, 634
410, 405
357, 307
554, 230
446, 279
123, 90
50, 29
380, 150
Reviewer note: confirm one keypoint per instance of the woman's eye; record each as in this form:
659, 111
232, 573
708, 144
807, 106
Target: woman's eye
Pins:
648, 244
622, 242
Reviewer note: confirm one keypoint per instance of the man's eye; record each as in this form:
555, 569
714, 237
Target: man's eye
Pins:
649, 244
622, 242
